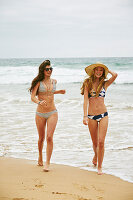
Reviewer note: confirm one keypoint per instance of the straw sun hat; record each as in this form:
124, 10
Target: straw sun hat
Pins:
89, 69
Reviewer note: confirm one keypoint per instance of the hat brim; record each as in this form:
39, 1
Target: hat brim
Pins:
90, 69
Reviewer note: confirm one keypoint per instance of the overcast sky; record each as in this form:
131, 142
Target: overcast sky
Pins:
66, 28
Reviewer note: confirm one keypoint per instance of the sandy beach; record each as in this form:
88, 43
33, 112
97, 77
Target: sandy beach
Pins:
72, 141
24, 180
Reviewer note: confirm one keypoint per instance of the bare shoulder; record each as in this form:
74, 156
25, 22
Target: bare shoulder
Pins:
37, 85
86, 90
35, 89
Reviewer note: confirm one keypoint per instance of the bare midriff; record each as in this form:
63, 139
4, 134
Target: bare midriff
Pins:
49, 98
96, 106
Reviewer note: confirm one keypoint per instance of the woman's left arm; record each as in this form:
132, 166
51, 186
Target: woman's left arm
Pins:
111, 80
60, 92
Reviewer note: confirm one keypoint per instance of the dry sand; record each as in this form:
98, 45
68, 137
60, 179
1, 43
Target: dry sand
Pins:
24, 180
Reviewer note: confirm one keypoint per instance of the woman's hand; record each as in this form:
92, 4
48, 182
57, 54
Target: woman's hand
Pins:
85, 120
113, 73
42, 102
62, 91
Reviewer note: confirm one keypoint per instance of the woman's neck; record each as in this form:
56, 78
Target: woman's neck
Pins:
96, 80
47, 78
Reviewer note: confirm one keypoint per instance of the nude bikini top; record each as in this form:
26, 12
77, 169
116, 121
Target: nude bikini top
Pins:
43, 89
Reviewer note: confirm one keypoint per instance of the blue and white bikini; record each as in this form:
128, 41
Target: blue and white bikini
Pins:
43, 89
101, 94
93, 93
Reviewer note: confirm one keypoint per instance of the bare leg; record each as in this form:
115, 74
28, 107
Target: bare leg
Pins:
103, 125
51, 125
93, 128
41, 124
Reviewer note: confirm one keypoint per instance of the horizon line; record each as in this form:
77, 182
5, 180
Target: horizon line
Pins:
67, 57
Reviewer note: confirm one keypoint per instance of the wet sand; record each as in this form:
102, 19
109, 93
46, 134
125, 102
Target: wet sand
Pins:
23, 180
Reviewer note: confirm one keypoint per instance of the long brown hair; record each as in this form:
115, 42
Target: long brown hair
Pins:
88, 82
40, 75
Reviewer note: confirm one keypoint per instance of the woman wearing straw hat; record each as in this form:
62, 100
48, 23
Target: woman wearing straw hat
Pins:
95, 112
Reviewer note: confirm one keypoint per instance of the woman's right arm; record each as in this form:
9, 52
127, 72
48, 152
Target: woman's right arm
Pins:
112, 79
85, 106
33, 94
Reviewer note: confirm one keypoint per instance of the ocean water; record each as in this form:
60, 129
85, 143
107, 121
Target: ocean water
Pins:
72, 142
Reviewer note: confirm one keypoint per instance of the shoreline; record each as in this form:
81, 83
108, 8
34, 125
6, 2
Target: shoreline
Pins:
92, 169
22, 179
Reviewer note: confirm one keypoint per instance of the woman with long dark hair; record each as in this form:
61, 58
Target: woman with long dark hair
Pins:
95, 111
42, 92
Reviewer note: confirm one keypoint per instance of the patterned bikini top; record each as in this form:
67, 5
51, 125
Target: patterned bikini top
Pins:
93, 93
42, 88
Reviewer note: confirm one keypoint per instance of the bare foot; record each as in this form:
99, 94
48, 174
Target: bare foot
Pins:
40, 162
94, 161
46, 167
100, 171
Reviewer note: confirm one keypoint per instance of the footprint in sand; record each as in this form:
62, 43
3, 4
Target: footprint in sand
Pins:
93, 187
83, 199
39, 186
19, 199
81, 187
100, 198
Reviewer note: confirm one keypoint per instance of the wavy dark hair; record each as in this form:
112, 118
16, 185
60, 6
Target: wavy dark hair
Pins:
40, 75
